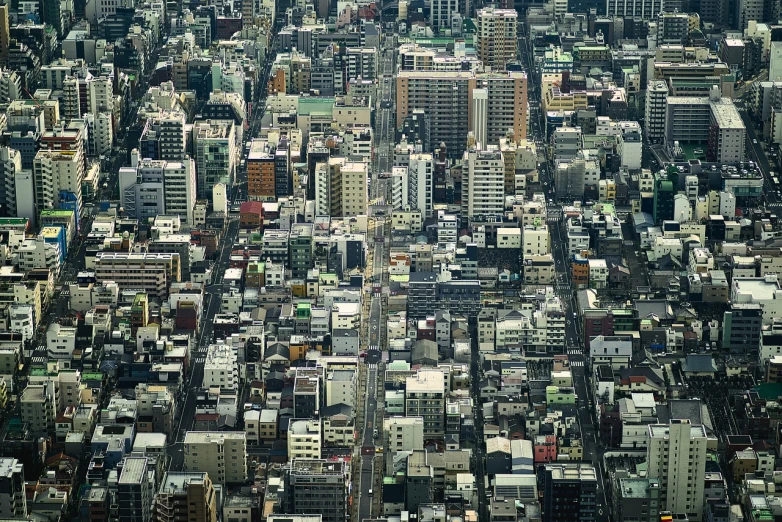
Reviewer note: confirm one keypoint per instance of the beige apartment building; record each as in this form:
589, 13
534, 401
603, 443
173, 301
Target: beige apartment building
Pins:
186, 497
221, 454
150, 273
496, 40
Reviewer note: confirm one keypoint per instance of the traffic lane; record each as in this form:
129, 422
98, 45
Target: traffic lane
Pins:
752, 138
204, 336
366, 460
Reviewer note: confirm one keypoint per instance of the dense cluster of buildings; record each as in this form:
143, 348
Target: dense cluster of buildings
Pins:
438, 261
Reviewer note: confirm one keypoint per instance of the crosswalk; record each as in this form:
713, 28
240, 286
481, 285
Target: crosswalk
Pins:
66, 288
563, 290
776, 204
573, 351
577, 364
199, 360
372, 366
553, 219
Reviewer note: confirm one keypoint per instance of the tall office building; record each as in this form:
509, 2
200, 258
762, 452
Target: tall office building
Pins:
446, 99
164, 137
317, 486
58, 167
420, 183
656, 94
55, 174
10, 166
159, 187
676, 457
775, 62
569, 492
497, 38
441, 14
52, 15
185, 497
260, 171
507, 105
5, 36
133, 490
710, 120
215, 155
146, 272
301, 246
645, 9
747, 10
221, 454
10, 83
13, 501
673, 28
425, 398
341, 187
483, 182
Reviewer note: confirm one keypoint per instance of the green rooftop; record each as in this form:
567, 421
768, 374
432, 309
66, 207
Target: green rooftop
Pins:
769, 390
303, 310
92, 376
323, 105
56, 213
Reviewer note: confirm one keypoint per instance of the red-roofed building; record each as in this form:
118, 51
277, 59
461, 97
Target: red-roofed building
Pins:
251, 214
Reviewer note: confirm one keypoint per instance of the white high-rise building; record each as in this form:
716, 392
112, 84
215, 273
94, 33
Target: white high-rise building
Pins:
420, 183
100, 133
676, 456
403, 434
483, 182
399, 187
159, 187
96, 9
10, 86
100, 95
480, 115
535, 239
322, 189
55, 172
221, 368
775, 62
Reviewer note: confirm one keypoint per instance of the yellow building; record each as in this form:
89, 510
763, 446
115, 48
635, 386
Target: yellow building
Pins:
556, 100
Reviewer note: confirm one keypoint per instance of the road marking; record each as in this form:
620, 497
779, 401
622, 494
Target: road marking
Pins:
577, 364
